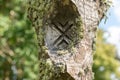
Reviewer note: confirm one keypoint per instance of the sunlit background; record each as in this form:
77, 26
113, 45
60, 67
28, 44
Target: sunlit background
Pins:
18, 44
112, 25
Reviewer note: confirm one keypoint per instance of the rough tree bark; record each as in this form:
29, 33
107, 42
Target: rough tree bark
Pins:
66, 31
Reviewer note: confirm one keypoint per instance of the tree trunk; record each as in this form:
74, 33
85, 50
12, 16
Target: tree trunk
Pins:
65, 31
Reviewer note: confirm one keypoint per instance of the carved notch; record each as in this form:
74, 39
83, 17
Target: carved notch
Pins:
63, 29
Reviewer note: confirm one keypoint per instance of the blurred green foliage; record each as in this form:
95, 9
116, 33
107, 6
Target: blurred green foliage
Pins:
106, 66
18, 49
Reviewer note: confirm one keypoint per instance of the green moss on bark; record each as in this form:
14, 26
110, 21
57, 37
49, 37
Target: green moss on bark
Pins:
39, 12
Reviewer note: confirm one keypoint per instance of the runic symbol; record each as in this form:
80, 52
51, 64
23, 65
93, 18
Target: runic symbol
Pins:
64, 37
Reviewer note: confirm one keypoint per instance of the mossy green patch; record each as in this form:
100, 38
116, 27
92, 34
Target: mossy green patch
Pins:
39, 12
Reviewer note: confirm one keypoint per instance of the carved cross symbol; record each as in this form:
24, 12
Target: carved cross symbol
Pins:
64, 37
